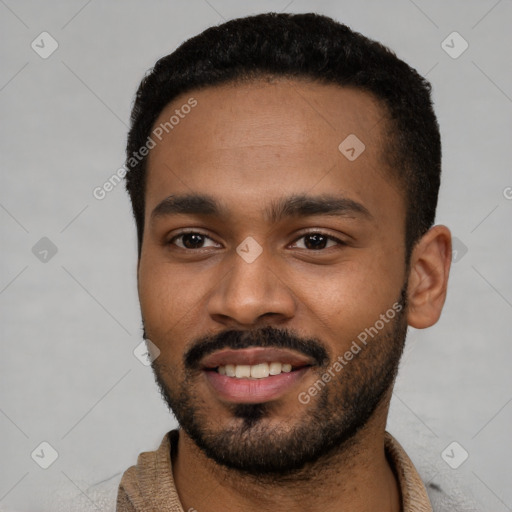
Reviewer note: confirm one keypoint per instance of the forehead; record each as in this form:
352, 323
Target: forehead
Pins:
304, 113
246, 141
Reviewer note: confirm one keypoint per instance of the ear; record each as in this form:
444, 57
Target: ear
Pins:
428, 277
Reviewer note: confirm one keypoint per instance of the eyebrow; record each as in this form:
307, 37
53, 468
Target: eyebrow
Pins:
300, 205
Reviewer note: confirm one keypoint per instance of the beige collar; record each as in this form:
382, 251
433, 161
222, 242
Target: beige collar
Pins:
149, 485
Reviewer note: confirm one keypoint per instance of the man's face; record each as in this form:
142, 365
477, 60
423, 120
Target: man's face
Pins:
272, 277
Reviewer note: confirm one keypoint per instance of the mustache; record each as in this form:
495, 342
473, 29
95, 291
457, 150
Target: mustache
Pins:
266, 337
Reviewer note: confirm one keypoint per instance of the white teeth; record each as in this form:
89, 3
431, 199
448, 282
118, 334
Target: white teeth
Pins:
275, 368
259, 371
255, 371
242, 371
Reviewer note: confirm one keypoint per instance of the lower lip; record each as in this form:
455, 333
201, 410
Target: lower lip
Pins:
252, 391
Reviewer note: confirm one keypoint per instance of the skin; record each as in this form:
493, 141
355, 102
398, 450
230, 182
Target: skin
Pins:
248, 145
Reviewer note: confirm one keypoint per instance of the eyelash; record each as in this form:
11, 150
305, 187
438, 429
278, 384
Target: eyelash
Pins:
321, 233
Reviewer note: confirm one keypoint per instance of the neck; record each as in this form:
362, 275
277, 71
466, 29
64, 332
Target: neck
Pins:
357, 478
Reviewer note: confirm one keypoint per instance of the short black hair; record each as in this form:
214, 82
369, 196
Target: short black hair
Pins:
301, 46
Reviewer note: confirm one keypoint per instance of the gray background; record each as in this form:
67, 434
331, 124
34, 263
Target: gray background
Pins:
70, 323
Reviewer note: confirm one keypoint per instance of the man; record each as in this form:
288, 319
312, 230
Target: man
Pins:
284, 173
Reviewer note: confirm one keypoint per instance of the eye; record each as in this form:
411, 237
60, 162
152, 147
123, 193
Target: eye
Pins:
317, 241
192, 240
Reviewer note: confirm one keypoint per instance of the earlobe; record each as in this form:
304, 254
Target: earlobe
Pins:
428, 277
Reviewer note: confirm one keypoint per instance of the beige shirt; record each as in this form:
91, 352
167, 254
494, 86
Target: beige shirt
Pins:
149, 485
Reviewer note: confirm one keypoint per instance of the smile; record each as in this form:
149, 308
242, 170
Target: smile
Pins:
255, 371
254, 375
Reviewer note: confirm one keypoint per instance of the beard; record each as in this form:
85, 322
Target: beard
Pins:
253, 441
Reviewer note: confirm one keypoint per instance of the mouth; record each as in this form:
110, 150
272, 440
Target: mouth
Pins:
254, 375
255, 371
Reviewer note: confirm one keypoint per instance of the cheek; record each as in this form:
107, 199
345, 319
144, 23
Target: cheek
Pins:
346, 301
167, 298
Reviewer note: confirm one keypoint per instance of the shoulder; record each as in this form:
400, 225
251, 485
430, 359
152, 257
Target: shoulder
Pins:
84, 498
104, 494
447, 489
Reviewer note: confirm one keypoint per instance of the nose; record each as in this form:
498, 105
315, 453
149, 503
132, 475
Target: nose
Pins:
252, 292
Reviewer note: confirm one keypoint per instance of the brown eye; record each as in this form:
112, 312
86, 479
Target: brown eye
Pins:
191, 240
318, 241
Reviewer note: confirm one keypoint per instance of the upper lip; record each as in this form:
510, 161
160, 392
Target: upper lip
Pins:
255, 355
